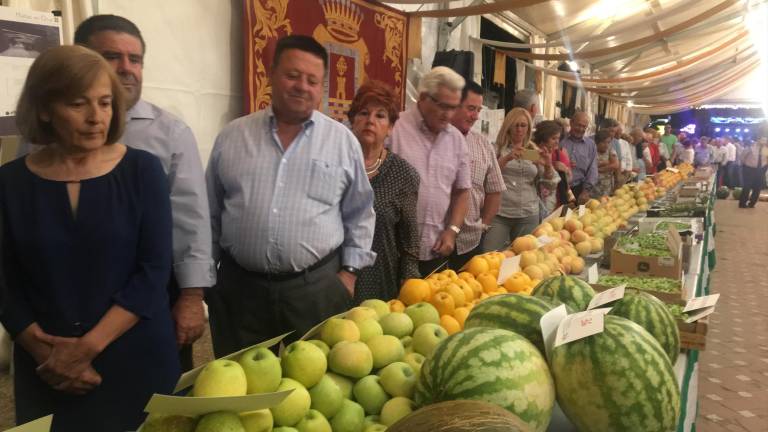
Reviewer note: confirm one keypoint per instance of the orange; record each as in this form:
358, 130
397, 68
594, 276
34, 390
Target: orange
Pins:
461, 315
443, 302
494, 272
450, 324
456, 292
414, 291
467, 276
477, 288
396, 306
469, 295
450, 274
493, 261
516, 282
477, 265
488, 282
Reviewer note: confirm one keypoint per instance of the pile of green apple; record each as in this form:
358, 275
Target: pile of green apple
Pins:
357, 375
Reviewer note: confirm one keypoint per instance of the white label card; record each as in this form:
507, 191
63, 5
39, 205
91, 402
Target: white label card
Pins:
701, 313
549, 323
508, 267
554, 214
568, 213
674, 170
544, 240
582, 210
579, 326
195, 406
592, 274
607, 296
701, 302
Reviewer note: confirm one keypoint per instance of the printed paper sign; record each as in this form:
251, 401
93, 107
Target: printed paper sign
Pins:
582, 210
592, 274
508, 267
607, 296
701, 313
701, 302
580, 325
195, 406
549, 323
42, 424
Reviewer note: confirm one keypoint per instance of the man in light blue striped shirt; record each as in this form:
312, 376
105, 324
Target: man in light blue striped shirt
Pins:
291, 209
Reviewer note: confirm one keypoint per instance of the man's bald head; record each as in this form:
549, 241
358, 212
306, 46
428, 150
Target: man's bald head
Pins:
579, 124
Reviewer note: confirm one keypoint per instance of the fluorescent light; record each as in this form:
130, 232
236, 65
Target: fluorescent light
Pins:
757, 24
717, 129
573, 65
630, 104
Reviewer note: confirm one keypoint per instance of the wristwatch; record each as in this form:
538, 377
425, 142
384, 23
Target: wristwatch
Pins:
454, 228
350, 269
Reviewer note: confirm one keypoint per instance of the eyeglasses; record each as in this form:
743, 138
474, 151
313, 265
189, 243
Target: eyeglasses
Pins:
442, 105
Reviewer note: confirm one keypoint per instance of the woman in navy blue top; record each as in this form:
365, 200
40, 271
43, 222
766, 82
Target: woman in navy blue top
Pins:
86, 254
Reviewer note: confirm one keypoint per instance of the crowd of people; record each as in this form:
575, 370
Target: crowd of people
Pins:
114, 234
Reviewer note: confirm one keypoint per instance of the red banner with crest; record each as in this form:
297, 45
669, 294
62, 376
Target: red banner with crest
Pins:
364, 41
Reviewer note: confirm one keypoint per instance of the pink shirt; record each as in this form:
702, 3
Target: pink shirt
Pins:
442, 162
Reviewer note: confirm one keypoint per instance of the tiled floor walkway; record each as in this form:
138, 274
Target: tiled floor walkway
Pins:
733, 383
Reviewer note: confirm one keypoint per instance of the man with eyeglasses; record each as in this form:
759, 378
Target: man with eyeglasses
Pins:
425, 138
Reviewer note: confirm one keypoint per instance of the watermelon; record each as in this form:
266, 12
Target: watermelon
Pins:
736, 194
570, 290
651, 314
618, 380
490, 365
514, 312
722, 192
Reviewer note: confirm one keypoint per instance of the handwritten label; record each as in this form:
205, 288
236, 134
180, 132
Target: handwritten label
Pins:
195, 406
607, 296
700, 314
701, 302
580, 325
549, 322
582, 210
42, 424
508, 267
592, 274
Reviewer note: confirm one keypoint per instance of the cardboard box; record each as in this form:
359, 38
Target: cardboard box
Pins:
671, 267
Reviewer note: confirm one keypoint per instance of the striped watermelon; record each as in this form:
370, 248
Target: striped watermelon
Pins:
570, 290
514, 312
618, 380
491, 365
652, 315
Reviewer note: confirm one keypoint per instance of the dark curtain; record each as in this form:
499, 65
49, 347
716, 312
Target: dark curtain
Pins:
506, 93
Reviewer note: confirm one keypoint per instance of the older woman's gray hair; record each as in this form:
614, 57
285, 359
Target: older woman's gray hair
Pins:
440, 76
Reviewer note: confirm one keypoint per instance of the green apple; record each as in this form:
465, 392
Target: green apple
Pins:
344, 383
397, 324
422, 313
168, 423
415, 360
370, 394
320, 344
304, 362
371, 420
284, 429
220, 421
368, 329
314, 421
398, 379
406, 341
395, 409
294, 407
361, 313
262, 370
336, 330
426, 337
350, 418
375, 428
326, 396
257, 421
380, 306
221, 378
351, 359
386, 349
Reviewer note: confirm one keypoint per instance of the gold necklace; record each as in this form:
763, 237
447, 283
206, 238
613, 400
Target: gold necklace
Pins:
376, 165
